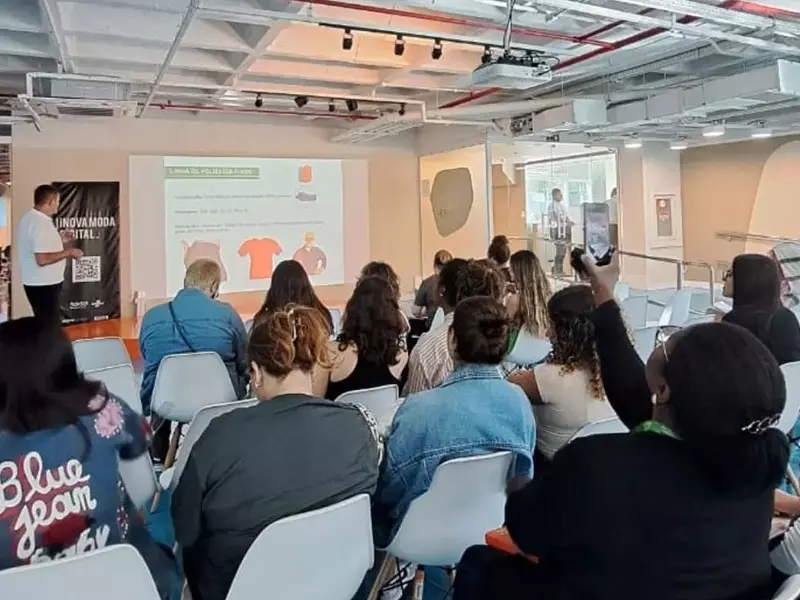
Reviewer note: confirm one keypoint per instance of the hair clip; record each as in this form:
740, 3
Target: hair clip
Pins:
760, 426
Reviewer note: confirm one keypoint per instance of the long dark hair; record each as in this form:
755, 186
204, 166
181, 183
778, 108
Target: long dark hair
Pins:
372, 322
290, 285
40, 385
756, 282
385, 271
721, 380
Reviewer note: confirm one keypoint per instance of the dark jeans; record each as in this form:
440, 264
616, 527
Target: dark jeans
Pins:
44, 300
558, 261
488, 574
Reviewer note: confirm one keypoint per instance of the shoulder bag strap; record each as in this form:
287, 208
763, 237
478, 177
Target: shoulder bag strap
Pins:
179, 328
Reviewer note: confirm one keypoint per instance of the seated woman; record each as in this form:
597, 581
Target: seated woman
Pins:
61, 436
473, 411
290, 285
367, 353
428, 297
388, 274
566, 389
754, 285
292, 453
678, 509
527, 307
500, 252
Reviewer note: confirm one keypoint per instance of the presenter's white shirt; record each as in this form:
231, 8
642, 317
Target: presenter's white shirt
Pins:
38, 233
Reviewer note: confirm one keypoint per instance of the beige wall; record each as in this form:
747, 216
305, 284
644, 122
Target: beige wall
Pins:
99, 150
508, 205
720, 185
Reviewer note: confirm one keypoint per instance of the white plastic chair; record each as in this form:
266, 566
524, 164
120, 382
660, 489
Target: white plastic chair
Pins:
139, 478
336, 540
622, 291
248, 325
605, 426
98, 353
786, 555
790, 590
677, 310
185, 383
634, 309
117, 571
645, 341
382, 402
438, 318
791, 410
169, 477
120, 380
698, 320
528, 350
336, 317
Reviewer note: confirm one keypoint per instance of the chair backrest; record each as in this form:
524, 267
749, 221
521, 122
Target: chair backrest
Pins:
117, 571
791, 410
622, 290
438, 317
790, 590
466, 498
336, 317
528, 350
336, 540
634, 308
677, 310
382, 402
139, 478
185, 383
786, 555
248, 325
698, 320
196, 428
120, 380
604, 426
645, 341
98, 353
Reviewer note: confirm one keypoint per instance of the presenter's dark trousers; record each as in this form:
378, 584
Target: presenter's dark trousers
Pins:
44, 301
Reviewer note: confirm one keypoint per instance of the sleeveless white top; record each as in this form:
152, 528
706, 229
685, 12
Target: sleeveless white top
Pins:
568, 405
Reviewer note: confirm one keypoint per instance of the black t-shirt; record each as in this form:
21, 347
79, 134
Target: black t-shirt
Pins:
778, 329
428, 296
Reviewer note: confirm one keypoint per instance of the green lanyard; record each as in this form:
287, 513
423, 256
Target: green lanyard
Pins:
656, 427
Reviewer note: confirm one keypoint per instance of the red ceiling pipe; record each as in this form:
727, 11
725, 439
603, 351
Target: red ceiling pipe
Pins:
262, 111
614, 25
764, 11
460, 21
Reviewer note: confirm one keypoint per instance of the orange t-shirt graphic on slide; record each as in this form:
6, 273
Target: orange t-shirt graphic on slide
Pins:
306, 175
261, 251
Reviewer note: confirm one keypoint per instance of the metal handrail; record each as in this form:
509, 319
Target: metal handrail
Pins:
757, 237
679, 264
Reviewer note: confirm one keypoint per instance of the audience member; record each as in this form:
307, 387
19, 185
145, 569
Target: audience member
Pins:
61, 436
500, 252
566, 390
290, 285
473, 411
194, 321
427, 298
528, 305
754, 285
384, 271
678, 509
430, 361
368, 352
291, 453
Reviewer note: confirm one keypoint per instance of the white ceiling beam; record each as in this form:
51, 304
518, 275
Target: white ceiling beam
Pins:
198, 60
191, 10
21, 17
49, 10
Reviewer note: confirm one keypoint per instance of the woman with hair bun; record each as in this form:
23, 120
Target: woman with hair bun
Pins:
290, 454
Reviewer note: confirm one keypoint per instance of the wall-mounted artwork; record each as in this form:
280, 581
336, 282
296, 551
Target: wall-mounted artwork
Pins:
451, 198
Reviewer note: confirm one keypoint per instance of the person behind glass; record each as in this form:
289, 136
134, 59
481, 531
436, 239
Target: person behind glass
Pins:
566, 390
560, 229
290, 285
474, 411
194, 321
527, 306
367, 353
500, 252
754, 285
426, 300
43, 253
680, 508
292, 453
61, 437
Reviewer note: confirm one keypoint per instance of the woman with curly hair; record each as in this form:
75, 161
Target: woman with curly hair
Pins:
566, 390
528, 306
368, 352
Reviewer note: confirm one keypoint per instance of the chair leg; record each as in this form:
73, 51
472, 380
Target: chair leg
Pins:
384, 573
168, 461
419, 584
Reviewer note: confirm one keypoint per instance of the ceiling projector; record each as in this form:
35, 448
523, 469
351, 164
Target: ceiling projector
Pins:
511, 72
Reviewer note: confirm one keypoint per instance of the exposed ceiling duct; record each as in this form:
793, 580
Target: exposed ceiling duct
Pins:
577, 115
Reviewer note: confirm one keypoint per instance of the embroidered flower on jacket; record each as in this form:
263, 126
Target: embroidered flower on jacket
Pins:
108, 422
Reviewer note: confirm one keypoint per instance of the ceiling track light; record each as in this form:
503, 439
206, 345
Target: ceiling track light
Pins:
259, 101
402, 110
633, 143
352, 105
714, 131
436, 53
301, 101
347, 40
331, 106
399, 45
487, 55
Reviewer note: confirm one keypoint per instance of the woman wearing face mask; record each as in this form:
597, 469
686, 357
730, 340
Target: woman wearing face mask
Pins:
754, 285
677, 509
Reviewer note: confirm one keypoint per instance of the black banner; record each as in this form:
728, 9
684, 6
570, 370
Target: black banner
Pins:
90, 212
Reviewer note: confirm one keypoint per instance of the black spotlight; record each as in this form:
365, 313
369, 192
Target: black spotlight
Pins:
331, 106
487, 55
259, 101
347, 40
301, 101
399, 46
436, 53
402, 110
352, 105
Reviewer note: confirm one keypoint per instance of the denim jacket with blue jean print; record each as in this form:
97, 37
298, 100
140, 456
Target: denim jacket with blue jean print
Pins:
474, 411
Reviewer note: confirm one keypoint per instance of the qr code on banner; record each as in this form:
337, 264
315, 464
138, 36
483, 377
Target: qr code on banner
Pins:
86, 269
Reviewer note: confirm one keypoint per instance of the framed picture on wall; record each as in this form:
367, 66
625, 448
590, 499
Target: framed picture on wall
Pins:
667, 227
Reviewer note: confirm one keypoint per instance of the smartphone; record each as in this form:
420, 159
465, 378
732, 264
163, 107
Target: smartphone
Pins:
596, 229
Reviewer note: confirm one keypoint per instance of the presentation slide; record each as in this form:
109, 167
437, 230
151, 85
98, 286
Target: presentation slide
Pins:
249, 215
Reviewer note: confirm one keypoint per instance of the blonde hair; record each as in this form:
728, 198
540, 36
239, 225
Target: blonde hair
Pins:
534, 293
203, 274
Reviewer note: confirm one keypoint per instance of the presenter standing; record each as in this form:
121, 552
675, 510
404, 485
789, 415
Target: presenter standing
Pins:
43, 254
